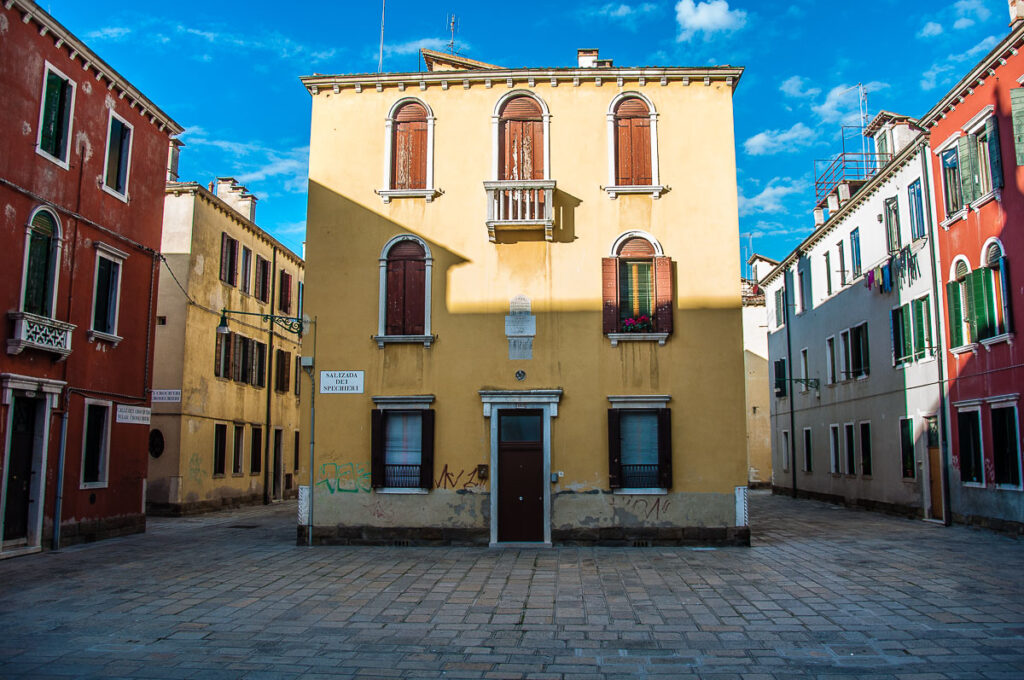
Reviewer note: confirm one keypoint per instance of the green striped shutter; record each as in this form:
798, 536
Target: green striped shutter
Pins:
979, 307
956, 314
920, 323
1017, 112
1004, 280
995, 158
970, 304
906, 344
968, 167
51, 133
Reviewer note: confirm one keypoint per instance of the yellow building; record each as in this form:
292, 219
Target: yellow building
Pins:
526, 288
225, 421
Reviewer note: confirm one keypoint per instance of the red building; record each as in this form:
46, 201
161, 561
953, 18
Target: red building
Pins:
83, 161
977, 139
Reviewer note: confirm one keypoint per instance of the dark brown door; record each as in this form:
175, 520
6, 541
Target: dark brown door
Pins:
19, 476
520, 476
934, 469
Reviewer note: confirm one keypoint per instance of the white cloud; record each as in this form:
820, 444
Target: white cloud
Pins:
708, 17
962, 23
414, 46
780, 141
762, 229
972, 8
930, 29
794, 87
289, 228
109, 33
623, 11
929, 79
769, 200
842, 105
251, 162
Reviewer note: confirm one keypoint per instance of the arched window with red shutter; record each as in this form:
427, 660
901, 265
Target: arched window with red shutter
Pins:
409, 150
633, 146
637, 288
521, 140
405, 273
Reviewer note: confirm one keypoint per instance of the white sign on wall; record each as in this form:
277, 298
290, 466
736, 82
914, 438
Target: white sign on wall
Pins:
341, 382
167, 396
133, 415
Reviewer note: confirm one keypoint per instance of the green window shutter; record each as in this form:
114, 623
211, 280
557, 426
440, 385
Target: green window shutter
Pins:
989, 297
1017, 113
968, 165
995, 158
905, 319
1006, 295
53, 103
920, 340
956, 314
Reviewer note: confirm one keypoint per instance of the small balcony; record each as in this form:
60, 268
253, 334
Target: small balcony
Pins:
39, 332
520, 205
402, 476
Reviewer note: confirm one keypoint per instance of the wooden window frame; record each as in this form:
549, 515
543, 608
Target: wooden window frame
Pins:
429, 192
386, 405
220, 449
658, 405
237, 449
284, 292
663, 285
614, 189
228, 259
382, 338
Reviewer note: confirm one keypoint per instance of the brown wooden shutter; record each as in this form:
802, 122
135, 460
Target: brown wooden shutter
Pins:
623, 152
663, 294
217, 345
665, 448
409, 160
536, 132
377, 448
415, 295
637, 247
427, 450
521, 108
236, 356
614, 450
224, 255
640, 145
610, 294
394, 320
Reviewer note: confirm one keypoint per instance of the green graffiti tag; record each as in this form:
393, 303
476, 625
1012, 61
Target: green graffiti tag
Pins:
344, 478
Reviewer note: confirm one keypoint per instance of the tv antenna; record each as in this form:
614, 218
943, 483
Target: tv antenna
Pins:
452, 22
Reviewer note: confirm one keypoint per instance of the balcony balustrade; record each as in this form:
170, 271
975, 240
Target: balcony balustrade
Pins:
520, 204
39, 332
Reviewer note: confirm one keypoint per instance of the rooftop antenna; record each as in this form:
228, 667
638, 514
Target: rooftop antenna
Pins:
453, 23
380, 59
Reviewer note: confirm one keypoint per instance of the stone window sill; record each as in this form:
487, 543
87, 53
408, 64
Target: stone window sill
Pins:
388, 194
425, 340
616, 338
655, 190
640, 492
964, 349
106, 337
399, 491
996, 339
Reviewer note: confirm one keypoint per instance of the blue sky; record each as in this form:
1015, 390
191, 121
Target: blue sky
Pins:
228, 72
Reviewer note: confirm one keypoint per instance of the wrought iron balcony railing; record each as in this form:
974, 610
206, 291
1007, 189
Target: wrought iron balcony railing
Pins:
402, 476
640, 476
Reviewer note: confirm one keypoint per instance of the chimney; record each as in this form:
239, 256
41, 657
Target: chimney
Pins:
1016, 13
819, 217
236, 196
587, 58
172, 160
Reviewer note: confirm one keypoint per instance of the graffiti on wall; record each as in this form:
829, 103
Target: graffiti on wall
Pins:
643, 507
463, 479
195, 468
344, 478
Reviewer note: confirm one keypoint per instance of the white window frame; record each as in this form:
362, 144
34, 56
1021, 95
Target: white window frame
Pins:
850, 427
965, 326
835, 445
976, 126
62, 162
245, 271
997, 284
803, 369
975, 408
496, 130
106, 157
104, 467
58, 242
845, 355
416, 402
382, 337
808, 455
238, 443
118, 257
613, 189
831, 375
929, 345
938, 151
1008, 404
428, 192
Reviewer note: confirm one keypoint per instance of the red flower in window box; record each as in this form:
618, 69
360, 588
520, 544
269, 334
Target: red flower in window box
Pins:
640, 324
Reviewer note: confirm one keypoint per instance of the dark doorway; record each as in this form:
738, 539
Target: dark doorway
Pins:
19, 475
521, 476
277, 465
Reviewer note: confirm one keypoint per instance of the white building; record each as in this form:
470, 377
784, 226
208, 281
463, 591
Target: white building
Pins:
853, 335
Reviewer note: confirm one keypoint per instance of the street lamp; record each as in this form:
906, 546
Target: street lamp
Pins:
292, 324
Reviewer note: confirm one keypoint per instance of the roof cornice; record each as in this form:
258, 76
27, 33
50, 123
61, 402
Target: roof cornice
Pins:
91, 63
197, 189
985, 68
730, 75
898, 161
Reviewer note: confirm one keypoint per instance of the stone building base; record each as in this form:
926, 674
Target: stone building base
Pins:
199, 507
87, 531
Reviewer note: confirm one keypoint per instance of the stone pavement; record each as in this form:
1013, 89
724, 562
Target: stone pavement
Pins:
823, 592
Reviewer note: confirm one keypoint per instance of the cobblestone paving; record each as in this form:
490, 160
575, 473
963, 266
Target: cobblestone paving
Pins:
823, 592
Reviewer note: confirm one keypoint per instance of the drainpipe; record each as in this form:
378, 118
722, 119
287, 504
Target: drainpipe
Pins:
312, 437
789, 380
59, 495
939, 354
270, 373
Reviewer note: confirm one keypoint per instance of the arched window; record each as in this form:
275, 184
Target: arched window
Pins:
632, 143
960, 331
409, 147
632, 146
637, 288
405, 269
41, 259
999, 285
521, 140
